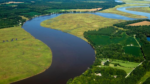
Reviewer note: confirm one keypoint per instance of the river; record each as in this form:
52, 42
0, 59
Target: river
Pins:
71, 55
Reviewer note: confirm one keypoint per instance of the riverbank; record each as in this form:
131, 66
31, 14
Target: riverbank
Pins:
140, 9
115, 11
22, 55
77, 24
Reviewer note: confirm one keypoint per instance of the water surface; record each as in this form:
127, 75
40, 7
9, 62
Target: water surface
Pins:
148, 38
71, 55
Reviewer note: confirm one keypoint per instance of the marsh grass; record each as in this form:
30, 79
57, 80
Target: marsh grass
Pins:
140, 9
115, 11
22, 57
136, 1
77, 24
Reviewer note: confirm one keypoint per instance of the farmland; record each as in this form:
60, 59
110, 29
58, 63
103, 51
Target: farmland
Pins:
140, 23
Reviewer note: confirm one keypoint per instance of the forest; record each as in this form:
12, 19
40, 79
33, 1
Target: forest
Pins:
10, 14
109, 43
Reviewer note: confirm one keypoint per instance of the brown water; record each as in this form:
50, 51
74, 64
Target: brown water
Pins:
71, 55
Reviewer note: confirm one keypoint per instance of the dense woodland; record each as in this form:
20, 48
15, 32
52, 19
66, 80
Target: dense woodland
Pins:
116, 51
10, 14
141, 32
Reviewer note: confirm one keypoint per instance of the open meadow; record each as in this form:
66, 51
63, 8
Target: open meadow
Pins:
115, 11
140, 23
22, 55
136, 1
140, 9
77, 24
124, 65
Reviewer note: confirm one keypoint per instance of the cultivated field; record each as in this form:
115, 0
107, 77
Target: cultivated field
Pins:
140, 9
77, 24
140, 23
21, 55
129, 44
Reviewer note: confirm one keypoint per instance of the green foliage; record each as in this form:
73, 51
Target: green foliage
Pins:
147, 81
136, 51
141, 32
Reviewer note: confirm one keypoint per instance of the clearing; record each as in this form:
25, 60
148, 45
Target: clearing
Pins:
120, 64
140, 23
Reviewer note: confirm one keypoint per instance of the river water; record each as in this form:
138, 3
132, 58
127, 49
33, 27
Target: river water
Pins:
71, 55
148, 38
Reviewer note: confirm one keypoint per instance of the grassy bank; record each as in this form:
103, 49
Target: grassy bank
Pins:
70, 10
136, 1
115, 11
140, 9
21, 55
77, 24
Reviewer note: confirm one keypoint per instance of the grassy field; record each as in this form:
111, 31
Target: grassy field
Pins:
124, 65
136, 51
115, 11
70, 10
129, 44
140, 9
136, 1
140, 23
144, 77
21, 55
125, 40
32, 13
77, 24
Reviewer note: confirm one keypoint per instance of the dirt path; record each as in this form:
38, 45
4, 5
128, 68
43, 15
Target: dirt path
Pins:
137, 40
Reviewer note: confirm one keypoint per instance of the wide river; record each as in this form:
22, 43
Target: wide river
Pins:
71, 55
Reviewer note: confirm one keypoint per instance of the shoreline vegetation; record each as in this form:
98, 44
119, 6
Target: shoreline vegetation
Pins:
22, 55
140, 9
121, 41
115, 11
24, 43
107, 52
89, 22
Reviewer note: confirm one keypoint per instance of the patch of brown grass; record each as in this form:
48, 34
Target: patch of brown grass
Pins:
140, 23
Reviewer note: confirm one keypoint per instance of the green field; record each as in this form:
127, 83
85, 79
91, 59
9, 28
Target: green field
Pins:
140, 9
77, 24
124, 65
21, 55
125, 40
129, 44
56, 10
136, 51
32, 14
